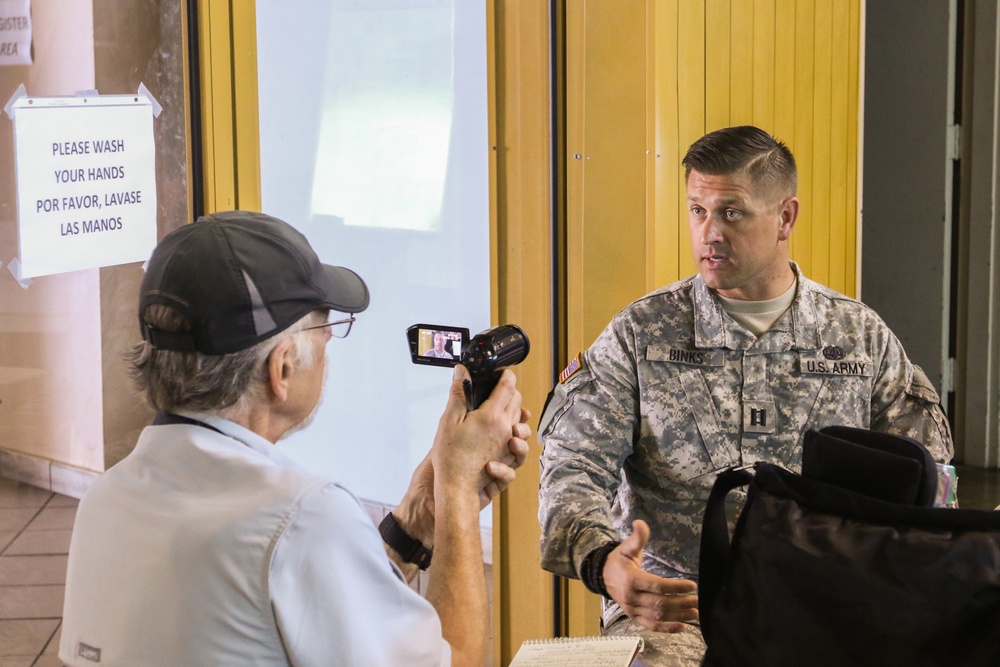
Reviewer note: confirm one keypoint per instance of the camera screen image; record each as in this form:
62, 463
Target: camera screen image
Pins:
439, 344
436, 344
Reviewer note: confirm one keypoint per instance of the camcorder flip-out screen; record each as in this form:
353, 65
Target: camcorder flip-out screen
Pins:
436, 344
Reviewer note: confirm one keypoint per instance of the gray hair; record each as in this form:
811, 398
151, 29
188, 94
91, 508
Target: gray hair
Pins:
226, 384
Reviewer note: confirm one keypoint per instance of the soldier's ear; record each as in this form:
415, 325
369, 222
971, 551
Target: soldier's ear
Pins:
789, 213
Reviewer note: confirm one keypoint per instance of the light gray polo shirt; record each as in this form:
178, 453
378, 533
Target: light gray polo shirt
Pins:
202, 548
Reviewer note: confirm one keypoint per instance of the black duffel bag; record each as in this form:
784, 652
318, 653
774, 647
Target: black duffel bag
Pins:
819, 574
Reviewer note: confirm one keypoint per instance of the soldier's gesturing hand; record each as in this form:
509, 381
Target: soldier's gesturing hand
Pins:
654, 602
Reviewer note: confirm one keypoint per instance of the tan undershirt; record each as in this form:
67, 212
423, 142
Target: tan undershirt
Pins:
759, 316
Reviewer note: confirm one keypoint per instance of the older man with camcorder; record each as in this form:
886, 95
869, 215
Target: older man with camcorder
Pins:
207, 545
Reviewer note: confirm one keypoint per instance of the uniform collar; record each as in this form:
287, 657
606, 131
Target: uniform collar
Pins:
797, 328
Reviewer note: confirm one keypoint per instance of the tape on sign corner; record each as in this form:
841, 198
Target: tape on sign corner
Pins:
14, 266
157, 109
18, 94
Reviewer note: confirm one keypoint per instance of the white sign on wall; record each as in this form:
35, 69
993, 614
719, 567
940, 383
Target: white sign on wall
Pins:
15, 32
86, 181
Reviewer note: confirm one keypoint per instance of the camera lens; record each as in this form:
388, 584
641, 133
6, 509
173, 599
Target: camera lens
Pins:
496, 348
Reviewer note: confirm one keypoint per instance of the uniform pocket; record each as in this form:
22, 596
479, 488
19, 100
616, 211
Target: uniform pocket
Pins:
842, 400
681, 436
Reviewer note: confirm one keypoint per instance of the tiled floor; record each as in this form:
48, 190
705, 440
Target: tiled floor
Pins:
35, 528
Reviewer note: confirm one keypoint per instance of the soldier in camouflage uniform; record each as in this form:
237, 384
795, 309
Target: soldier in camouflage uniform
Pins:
728, 367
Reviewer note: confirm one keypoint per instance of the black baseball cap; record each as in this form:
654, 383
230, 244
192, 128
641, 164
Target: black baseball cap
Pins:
240, 277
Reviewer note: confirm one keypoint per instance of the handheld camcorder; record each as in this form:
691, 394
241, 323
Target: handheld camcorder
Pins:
485, 356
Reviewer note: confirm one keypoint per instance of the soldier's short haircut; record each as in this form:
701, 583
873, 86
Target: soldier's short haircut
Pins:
745, 150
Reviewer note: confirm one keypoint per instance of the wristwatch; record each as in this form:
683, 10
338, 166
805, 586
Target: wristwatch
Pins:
411, 549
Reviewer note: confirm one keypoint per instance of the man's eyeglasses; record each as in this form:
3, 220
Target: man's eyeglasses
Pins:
338, 329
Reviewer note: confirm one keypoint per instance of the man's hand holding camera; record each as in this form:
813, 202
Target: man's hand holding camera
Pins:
486, 446
473, 459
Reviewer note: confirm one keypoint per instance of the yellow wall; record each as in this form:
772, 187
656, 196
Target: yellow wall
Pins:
790, 67
227, 35
607, 139
521, 193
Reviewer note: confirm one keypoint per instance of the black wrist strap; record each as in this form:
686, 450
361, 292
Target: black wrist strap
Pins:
592, 574
411, 549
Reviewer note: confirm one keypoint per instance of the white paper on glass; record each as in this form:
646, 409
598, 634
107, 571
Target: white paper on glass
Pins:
15, 32
86, 181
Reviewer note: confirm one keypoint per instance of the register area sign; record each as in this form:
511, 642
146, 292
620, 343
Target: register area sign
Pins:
86, 182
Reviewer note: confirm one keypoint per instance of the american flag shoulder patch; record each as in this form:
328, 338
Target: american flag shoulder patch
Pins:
573, 367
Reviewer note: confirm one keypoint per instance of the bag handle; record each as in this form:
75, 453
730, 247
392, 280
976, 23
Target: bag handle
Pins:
714, 556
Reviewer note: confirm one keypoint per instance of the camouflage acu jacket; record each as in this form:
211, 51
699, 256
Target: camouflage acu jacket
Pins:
674, 390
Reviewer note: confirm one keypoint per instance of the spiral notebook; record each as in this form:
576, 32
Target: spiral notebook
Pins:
578, 652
